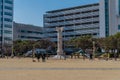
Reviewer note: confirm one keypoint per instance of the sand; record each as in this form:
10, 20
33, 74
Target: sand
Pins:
70, 69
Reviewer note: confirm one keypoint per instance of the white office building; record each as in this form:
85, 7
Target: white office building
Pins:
6, 22
109, 17
99, 20
77, 21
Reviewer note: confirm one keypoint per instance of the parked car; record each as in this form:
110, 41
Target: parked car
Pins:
40, 51
35, 51
68, 51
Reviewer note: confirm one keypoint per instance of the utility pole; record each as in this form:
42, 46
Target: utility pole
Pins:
94, 49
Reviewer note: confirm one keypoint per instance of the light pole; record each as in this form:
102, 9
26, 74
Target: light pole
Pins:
94, 49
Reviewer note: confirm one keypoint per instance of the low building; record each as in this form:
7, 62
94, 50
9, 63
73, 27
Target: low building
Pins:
27, 32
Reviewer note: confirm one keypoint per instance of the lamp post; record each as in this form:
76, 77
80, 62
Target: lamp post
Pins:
94, 49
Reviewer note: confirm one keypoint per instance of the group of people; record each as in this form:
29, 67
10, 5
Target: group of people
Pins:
38, 56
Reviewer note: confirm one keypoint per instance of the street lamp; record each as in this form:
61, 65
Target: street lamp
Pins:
94, 49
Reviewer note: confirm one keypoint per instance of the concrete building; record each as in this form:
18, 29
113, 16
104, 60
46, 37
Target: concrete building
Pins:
6, 22
99, 20
76, 21
27, 32
109, 17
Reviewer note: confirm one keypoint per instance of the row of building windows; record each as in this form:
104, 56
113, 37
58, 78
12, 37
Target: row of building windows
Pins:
77, 35
73, 8
79, 18
8, 7
71, 14
8, 1
8, 14
73, 24
24, 31
29, 37
6, 32
6, 19
6, 38
71, 30
6, 26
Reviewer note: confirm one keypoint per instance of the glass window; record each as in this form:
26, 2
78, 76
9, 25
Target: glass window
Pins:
118, 27
8, 38
0, 31
8, 13
23, 31
7, 19
119, 6
7, 32
8, 26
9, 8
8, 1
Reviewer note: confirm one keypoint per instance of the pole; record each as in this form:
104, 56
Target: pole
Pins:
60, 54
94, 49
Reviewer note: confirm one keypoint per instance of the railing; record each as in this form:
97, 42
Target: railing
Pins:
87, 31
72, 11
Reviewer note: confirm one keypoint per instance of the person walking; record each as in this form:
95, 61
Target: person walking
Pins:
43, 57
91, 56
38, 56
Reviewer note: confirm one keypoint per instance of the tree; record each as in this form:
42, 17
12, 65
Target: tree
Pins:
21, 47
83, 42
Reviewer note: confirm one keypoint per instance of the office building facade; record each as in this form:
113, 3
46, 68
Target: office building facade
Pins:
109, 17
99, 20
27, 32
76, 21
6, 22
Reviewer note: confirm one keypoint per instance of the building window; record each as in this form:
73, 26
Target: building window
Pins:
107, 17
8, 26
22, 31
7, 19
7, 32
8, 38
118, 27
9, 8
119, 6
8, 13
8, 1
0, 31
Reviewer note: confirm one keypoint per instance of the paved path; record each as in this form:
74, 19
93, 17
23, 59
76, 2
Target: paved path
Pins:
2, 69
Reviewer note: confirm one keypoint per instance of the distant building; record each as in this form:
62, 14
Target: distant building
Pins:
6, 23
77, 21
27, 32
98, 20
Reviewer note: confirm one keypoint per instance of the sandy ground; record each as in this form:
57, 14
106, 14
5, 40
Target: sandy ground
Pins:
70, 69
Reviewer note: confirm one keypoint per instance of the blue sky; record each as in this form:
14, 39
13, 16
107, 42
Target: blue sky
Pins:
31, 11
